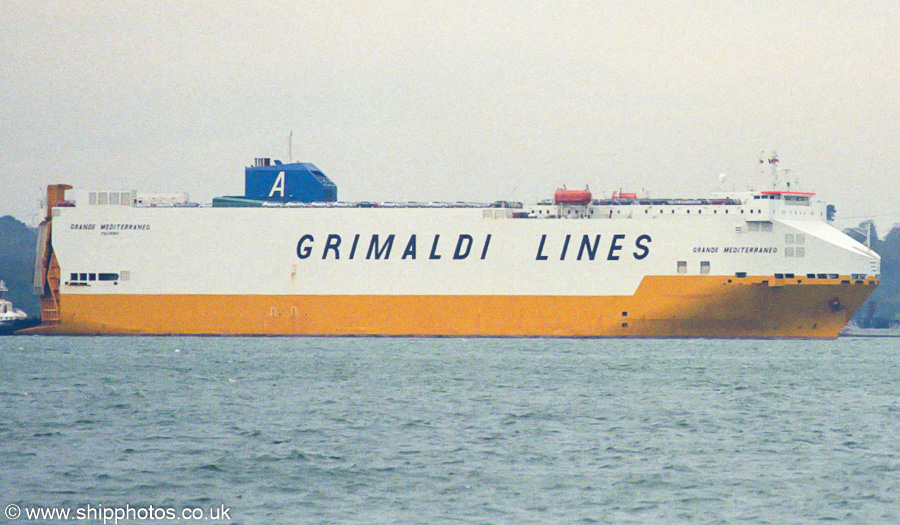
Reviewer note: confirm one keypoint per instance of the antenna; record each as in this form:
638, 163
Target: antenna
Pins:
773, 164
772, 161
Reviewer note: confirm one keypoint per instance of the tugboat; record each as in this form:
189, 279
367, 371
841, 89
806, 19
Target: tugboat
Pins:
11, 319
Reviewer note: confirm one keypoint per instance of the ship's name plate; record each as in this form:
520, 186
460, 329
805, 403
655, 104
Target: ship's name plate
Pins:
735, 249
109, 227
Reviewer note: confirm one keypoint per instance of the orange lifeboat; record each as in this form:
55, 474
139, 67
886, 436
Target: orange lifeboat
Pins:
624, 195
565, 196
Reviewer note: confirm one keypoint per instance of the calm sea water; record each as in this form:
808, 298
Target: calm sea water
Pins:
373, 430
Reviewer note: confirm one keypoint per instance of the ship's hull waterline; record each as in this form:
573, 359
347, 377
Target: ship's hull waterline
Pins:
665, 306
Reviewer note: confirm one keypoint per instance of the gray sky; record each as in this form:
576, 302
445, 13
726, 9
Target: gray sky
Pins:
452, 100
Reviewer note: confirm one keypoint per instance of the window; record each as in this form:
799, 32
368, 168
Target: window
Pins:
114, 198
766, 226
682, 266
102, 198
753, 226
92, 197
125, 199
789, 251
107, 277
82, 277
801, 238
799, 252
789, 238
704, 266
92, 277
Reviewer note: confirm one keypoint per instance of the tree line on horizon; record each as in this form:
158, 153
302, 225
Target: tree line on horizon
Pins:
883, 307
18, 243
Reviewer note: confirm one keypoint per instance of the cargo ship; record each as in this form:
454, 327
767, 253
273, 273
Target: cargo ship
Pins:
11, 318
288, 258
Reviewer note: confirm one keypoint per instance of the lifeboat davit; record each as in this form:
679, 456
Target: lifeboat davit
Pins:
572, 196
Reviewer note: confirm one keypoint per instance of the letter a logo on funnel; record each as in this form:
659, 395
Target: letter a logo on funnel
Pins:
278, 187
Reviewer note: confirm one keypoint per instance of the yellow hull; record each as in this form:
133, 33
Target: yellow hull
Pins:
662, 306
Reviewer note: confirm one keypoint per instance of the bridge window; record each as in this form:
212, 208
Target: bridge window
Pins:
682, 266
704, 266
